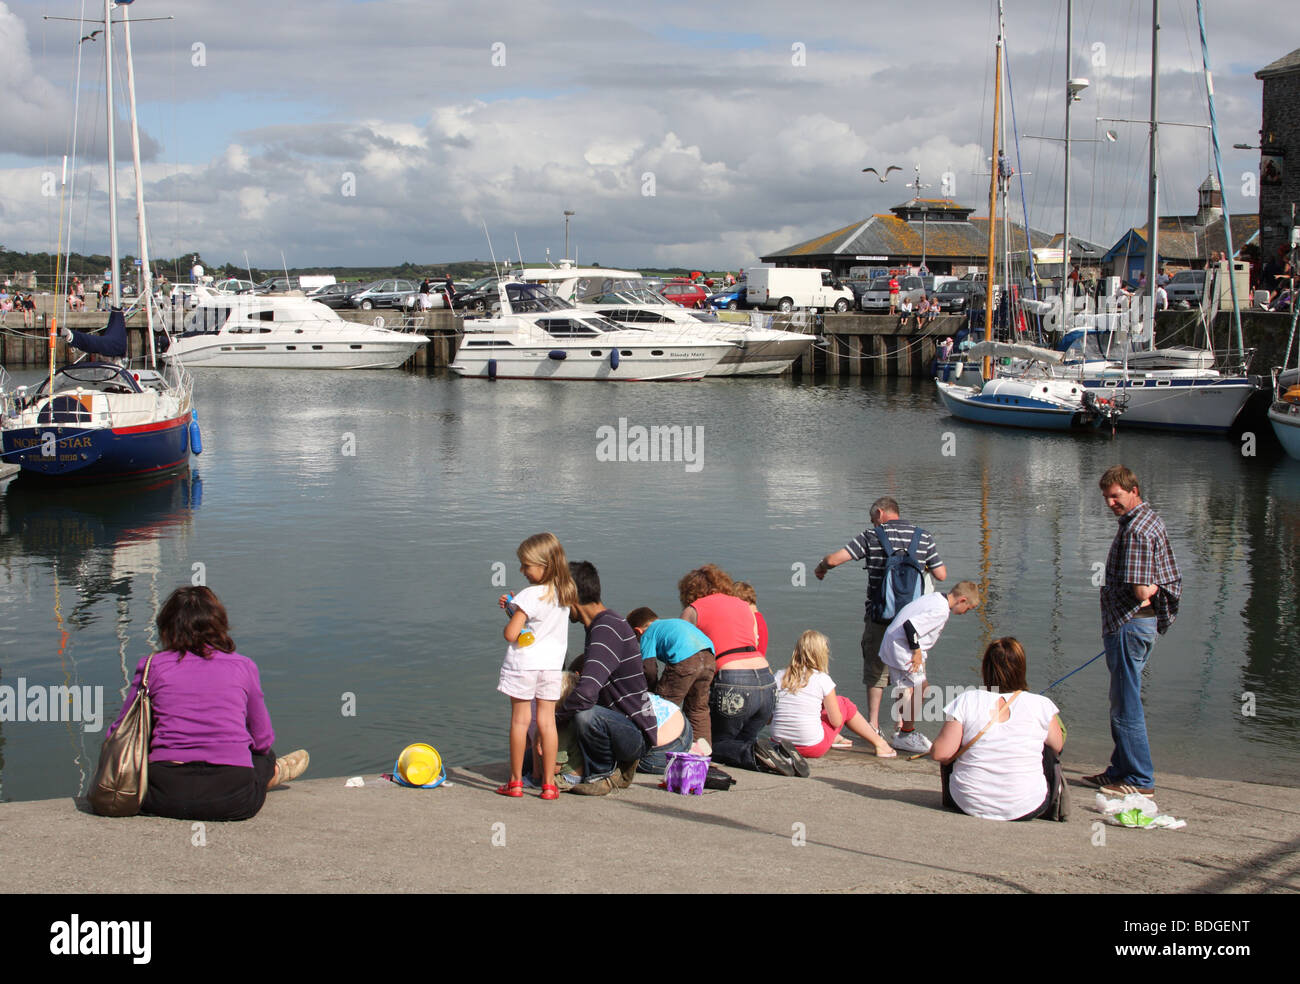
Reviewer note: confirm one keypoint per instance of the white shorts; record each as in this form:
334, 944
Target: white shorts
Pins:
528, 684
906, 678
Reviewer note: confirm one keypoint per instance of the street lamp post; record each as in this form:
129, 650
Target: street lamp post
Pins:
567, 214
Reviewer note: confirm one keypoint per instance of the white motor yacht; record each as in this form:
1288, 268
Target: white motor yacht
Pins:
759, 350
538, 336
283, 331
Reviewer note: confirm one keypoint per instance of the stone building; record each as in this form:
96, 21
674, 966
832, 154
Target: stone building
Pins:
1279, 150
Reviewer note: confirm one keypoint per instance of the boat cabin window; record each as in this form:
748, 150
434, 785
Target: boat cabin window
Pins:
567, 327
532, 299
206, 320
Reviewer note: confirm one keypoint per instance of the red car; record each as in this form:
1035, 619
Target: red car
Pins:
688, 295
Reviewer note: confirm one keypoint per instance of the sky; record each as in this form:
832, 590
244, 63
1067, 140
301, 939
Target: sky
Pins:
344, 132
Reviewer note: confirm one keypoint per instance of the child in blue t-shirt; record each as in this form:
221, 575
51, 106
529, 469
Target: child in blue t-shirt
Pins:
687, 655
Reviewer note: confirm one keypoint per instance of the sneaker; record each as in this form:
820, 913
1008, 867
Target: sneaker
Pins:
769, 758
291, 766
622, 776
1099, 780
791, 754
911, 741
597, 787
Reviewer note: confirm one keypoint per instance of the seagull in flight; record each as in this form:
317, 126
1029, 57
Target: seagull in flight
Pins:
93, 35
872, 170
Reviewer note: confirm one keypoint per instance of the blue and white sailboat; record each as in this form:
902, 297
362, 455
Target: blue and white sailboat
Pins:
99, 418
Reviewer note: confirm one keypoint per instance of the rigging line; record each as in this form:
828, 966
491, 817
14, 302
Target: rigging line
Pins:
1218, 169
1024, 207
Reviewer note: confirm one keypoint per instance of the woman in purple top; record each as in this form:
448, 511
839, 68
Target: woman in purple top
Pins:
210, 753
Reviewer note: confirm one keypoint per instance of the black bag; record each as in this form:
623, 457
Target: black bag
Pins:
717, 779
1058, 804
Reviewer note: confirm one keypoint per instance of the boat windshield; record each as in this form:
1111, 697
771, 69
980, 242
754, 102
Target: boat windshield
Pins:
100, 377
1093, 346
532, 299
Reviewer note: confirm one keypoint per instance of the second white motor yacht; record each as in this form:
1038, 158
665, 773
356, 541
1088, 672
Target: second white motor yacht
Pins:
536, 335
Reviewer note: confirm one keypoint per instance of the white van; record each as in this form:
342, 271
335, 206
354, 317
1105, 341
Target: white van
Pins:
786, 288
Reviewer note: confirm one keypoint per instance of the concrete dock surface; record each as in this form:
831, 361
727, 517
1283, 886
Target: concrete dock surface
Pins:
858, 824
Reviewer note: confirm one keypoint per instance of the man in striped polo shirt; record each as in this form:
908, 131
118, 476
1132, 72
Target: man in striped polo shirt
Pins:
1138, 602
866, 546
610, 708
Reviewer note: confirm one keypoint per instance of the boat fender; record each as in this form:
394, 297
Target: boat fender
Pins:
613, 358
492, 368
196, 439
379, 321
559, 355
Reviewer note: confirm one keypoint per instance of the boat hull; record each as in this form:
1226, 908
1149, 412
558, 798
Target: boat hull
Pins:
100, 454
1285, 418
226, 353
761, 357
675, 364
1009, 408
1208, 406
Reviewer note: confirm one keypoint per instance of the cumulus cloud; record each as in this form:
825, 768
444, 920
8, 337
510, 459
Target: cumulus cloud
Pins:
362, 133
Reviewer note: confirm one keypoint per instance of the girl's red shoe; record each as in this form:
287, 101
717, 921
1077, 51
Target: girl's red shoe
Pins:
514, 787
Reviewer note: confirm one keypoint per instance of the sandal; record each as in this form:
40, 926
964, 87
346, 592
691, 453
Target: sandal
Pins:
515, 788
550, 792
891, 754
841, 743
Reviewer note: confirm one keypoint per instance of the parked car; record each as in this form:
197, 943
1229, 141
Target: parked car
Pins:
335, 296
477, 297
876, 298
232, 285
383, 293
1187, 285
685, 293
729, 298
276, 285
954, 296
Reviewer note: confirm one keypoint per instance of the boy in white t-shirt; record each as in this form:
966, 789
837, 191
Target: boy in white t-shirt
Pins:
906, 644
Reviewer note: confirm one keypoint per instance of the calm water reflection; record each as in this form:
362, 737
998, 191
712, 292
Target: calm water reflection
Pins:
353, 524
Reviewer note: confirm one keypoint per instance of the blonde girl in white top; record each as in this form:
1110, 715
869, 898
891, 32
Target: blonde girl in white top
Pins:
538, 633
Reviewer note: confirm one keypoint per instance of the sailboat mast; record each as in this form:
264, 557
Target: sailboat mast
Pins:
1066, 294
112, 153
994, 178
1153, 195
142, 230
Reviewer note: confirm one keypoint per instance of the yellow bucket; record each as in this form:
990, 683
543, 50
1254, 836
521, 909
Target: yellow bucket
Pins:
419, 765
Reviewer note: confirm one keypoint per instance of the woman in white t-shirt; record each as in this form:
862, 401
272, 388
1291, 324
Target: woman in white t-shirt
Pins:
538, 633
1004, 774
808, 713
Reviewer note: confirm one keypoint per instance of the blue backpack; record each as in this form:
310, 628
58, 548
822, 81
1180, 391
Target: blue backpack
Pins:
903, 580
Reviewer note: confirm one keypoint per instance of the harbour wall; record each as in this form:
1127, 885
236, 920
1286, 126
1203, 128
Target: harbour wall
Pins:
853, 344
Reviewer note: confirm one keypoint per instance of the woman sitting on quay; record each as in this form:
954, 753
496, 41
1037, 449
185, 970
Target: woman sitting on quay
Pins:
210, 752
743, 694
998, 749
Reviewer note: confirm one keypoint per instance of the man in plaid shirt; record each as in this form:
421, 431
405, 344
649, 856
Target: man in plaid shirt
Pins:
1138, 601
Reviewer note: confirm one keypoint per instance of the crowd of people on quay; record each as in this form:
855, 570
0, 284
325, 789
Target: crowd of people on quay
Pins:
646, 686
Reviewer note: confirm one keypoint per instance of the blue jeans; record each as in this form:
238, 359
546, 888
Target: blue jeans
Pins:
1127, 651
741, 703
655, 760
607, 738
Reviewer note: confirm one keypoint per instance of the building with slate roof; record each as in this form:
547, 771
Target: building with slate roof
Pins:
938, 229
1187, 242
1279, 139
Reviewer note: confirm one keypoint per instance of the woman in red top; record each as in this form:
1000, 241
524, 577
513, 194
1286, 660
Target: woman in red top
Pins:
743, 694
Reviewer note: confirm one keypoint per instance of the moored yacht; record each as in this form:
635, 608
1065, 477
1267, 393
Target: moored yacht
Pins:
757, 350
538, 336
283, 331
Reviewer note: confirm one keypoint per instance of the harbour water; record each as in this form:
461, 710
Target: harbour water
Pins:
360, 526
